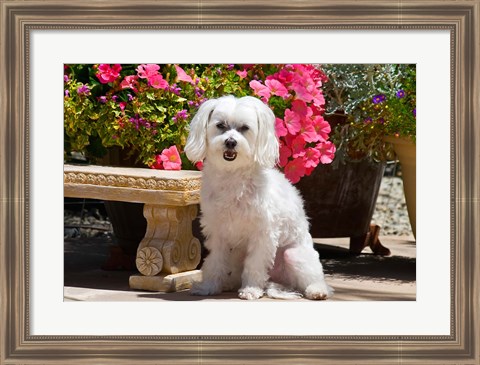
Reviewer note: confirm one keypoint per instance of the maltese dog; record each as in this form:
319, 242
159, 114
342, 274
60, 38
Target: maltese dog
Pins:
253, 219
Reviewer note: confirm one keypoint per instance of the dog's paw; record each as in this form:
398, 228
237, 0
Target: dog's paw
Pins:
250, 293
205, 288
318, 291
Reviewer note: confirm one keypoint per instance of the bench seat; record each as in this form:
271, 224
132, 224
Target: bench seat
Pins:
168, 255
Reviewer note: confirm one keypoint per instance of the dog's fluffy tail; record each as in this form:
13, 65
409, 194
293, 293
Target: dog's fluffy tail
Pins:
278, 291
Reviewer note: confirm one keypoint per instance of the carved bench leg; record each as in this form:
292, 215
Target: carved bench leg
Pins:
168, 254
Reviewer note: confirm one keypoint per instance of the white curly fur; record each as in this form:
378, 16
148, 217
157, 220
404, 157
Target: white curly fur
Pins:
253, 219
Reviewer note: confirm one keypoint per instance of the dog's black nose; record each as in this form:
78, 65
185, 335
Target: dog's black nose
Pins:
230, 143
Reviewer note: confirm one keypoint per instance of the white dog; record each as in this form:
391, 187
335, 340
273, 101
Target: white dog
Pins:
256, 230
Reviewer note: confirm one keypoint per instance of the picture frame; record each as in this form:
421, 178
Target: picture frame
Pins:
19, 18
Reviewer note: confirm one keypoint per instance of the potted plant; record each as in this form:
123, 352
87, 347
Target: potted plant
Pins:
388, 114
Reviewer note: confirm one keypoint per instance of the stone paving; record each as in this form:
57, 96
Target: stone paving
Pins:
364, 277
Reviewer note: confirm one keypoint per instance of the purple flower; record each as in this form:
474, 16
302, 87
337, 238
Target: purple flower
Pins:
130, 97
175, 89
102, 99
83, 90
368, 120
381, 121
182, 114
65, 78
400, 94
198, 92
114, 97
67, 93
378, 98
415, 112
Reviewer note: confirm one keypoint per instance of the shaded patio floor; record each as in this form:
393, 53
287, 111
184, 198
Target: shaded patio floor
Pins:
364, 277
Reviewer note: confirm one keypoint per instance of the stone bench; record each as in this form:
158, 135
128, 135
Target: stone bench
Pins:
168, 255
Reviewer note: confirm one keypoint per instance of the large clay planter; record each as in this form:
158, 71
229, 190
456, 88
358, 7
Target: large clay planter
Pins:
340, 201
406, 151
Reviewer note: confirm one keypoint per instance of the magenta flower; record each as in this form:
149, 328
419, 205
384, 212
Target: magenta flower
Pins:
182, 75
171, 159
158, 82
181, 115
106, 74
312, 157
260, 90
148, 70
302, 109
280, 128
327, 152
322, 127
130, 82
292, 121
83, 90
308, 132
400, 94
285, 153
158, 164
242, 74
277, 88
295, 170
298, 146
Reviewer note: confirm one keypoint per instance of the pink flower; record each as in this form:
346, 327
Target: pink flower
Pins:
148, 70
285, 76
312, 157
260, 90
301, 92
276, 88
280, 128
294, 170
108, 74
158, 164
130, 82
301, 108
322, 128
122, 104
171, 159
199, 165
308, 132
285, 153
327, 152
158, 82
182, 75
242, 74
318, 98
298, 147
292, 121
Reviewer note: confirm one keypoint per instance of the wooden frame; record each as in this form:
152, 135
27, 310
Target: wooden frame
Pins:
18, 346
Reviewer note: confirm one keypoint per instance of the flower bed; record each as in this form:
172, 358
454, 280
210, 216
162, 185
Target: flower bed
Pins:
146, 109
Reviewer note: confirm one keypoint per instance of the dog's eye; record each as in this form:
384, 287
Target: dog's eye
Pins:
222, 126
243, 128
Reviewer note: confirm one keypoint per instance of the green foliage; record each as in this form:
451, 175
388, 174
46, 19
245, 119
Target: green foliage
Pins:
375, 101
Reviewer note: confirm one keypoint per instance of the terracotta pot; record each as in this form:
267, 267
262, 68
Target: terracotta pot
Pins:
340, 201
406, 151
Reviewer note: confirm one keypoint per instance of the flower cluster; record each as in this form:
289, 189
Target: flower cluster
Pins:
146, 109
365, 104
296, 97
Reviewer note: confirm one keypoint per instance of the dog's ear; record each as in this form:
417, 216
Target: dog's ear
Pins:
267, 147
196, 147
